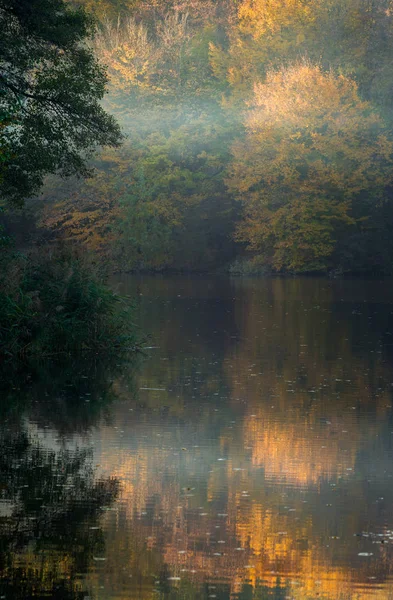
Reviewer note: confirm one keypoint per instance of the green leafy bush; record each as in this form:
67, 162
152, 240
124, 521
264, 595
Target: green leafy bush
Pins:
55, 303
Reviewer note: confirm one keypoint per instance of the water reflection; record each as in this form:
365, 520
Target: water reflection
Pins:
69, 397
258, 459
49, 513
253, 450
51, 501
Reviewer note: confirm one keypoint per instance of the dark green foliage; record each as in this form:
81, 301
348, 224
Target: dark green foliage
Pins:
53, 303
50, 91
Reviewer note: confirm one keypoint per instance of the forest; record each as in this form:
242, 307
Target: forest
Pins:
257, 138
244, 137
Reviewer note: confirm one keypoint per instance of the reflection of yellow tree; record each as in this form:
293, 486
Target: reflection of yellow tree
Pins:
290, 436
260, 543
170, 525
300, 388
285, 451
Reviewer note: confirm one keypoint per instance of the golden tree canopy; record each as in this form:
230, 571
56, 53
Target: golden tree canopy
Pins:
314, 153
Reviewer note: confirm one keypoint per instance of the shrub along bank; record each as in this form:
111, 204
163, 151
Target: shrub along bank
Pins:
54, 303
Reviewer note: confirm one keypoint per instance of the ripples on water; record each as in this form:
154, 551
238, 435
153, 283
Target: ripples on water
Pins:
249, 458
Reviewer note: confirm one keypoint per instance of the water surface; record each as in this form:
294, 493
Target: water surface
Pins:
249, 456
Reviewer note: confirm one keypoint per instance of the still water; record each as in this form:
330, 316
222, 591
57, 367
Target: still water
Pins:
248, 456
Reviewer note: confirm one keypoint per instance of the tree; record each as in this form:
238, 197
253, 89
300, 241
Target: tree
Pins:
108, 9
353, 37
160, 201
50, 90
315, 162
267, 17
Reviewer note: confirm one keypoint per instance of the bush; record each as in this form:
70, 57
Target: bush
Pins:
248, 267
55, 303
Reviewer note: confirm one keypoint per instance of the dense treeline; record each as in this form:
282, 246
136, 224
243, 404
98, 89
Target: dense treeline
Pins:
259, 136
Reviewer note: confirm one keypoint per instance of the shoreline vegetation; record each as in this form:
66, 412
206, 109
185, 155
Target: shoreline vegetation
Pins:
54, 304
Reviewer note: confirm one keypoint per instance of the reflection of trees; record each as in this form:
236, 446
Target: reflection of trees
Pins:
160, 520
51, 503
158, 525
71, 396
187, 591
303, 418
49, 513
309, 330
291, 368
308, 356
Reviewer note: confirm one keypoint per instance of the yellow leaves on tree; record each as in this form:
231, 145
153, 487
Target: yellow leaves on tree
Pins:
127, 52
261, 17
137, 60
352, 37
267, 32
314, 159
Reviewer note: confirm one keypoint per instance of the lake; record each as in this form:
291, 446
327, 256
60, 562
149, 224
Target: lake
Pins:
249, 455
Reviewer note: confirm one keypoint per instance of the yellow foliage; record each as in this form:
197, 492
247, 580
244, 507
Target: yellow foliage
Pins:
261, 17
312, 149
